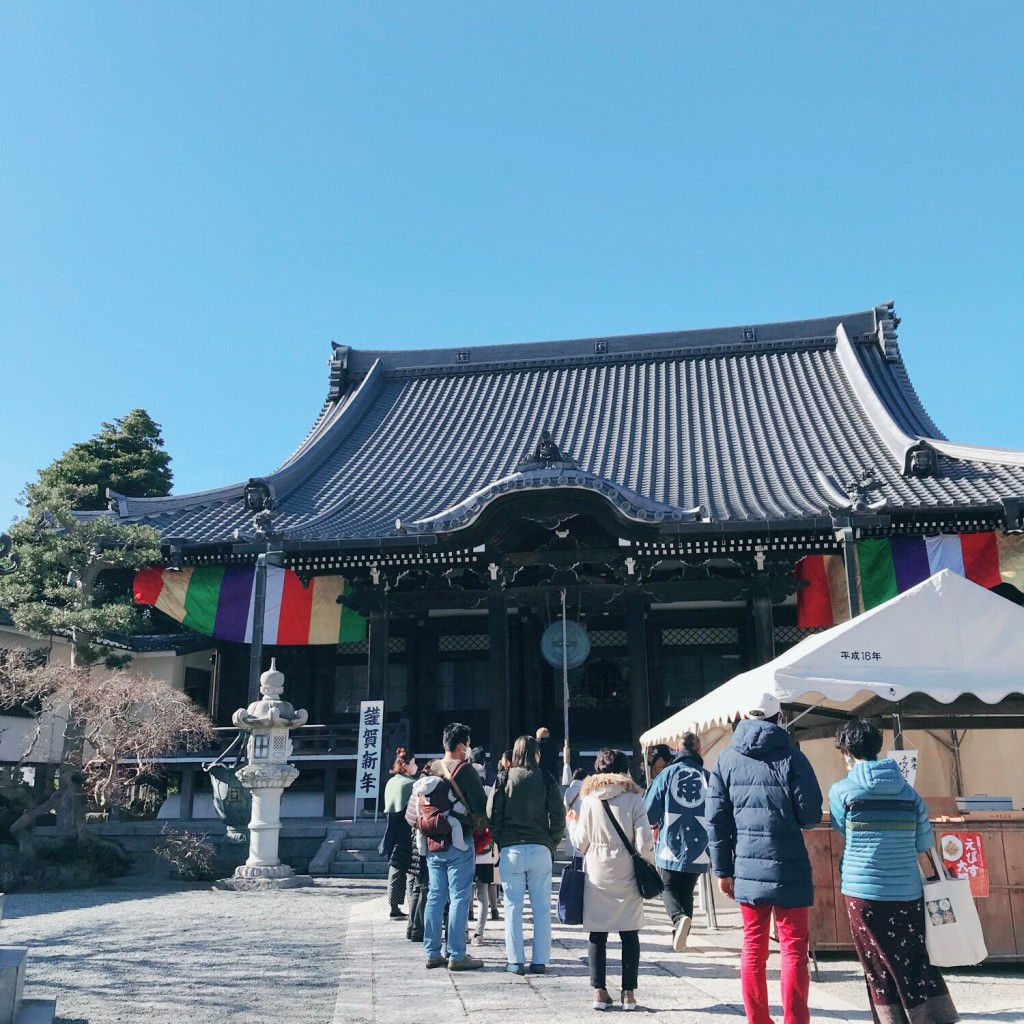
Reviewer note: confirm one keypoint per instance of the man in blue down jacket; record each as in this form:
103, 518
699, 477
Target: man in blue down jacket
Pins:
761, 795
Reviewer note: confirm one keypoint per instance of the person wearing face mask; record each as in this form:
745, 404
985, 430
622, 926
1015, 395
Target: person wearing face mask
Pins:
451, 870
885, 825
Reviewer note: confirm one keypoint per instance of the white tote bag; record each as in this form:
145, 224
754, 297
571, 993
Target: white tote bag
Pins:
951, 926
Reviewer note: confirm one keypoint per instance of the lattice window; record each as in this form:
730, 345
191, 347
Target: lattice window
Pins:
463, 642
396, 645
697, 636
793, 635
609, 638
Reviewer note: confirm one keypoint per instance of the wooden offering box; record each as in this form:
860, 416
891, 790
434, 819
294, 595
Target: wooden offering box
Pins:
1001, 912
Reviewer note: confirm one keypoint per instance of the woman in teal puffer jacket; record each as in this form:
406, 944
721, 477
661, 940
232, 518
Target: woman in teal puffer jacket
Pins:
885, 826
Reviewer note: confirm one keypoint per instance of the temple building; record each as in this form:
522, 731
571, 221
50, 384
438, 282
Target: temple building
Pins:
448, 503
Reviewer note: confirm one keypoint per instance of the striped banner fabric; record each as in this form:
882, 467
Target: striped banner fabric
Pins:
889, 566
219, 601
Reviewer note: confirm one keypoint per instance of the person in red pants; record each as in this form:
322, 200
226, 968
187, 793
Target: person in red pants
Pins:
761, 795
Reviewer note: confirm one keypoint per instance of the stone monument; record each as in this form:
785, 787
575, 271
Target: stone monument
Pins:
267, 775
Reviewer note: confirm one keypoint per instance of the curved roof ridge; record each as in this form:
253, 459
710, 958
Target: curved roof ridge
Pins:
893, 436
978, 453
898, 440
328, 431
128, 507
470, 358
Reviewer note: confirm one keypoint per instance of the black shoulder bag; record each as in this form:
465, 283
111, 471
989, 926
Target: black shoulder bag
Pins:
648, 881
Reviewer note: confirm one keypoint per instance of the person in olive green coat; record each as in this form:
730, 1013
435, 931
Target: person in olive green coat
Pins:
527, 823
397, 842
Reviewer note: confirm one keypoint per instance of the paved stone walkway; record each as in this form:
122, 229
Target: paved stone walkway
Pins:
383, 980
163, 953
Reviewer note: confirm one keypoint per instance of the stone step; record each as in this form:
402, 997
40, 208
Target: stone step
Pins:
362, 828
36, 1011
369, 843
12, 980
347, 856
357, 869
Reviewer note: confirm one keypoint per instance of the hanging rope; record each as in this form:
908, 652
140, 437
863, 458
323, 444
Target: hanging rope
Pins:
566, 770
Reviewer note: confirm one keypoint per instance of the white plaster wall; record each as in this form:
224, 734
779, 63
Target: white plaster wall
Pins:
992, 761
16, 737
16, 732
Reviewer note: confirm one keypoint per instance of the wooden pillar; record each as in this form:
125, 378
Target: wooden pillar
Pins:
762, 619
515, 676
188, 792
639, 695
377, 669
377, 682
330, 789
423, 706
527, 710
497, 628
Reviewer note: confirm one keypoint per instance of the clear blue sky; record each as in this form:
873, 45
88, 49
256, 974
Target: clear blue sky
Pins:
195, 198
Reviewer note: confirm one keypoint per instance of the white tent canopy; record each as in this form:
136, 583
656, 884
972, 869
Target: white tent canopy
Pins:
944, 638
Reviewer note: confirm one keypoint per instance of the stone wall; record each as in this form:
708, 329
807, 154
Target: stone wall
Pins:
300, 841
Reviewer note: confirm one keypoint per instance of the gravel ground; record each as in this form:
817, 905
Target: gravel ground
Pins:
166, 952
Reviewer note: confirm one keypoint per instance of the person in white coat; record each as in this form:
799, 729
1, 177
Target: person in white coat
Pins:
611, 899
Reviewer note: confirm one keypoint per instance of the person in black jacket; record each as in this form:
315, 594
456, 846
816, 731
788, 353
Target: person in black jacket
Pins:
761, 794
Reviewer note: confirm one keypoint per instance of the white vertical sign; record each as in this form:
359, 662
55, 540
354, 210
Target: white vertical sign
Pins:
907, 762
371, 728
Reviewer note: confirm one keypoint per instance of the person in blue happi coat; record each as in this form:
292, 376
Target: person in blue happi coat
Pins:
675, 807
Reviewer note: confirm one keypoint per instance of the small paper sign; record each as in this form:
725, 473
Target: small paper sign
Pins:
964, 856
907, 762
371, 728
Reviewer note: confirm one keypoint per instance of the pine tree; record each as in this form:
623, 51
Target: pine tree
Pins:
127, 456
59, 588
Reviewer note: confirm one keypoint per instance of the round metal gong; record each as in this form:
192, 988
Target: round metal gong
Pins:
577, 644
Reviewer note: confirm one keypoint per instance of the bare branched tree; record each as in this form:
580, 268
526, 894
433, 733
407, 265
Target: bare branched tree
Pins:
127, 719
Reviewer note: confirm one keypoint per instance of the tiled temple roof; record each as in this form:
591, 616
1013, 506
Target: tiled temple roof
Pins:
743, 424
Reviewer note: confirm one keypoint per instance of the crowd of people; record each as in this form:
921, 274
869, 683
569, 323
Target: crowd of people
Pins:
456, 829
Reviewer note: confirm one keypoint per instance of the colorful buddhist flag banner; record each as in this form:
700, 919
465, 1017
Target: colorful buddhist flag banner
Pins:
218, 601
889, 566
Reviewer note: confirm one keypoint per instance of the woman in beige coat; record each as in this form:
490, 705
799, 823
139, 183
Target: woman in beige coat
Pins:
611, 900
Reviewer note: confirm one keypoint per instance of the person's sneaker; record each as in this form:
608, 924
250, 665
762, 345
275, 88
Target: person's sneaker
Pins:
477, 940
435, 961
466, 963
679, 935
538, 968
397, 915
494, 913
515, 969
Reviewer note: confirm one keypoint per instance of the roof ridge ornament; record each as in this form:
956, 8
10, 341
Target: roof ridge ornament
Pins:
853, 495
888, 321
260, 501
546, 455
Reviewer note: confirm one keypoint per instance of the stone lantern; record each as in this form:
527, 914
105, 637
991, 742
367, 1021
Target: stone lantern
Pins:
267, 775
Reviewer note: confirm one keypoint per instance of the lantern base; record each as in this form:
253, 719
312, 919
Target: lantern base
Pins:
264, 871
263, 884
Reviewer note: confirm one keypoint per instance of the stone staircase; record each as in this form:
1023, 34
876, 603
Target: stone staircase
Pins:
14, 1008
350, 851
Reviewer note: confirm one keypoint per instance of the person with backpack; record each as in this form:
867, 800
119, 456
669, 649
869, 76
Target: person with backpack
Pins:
450, 869
675, 807
527, 823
